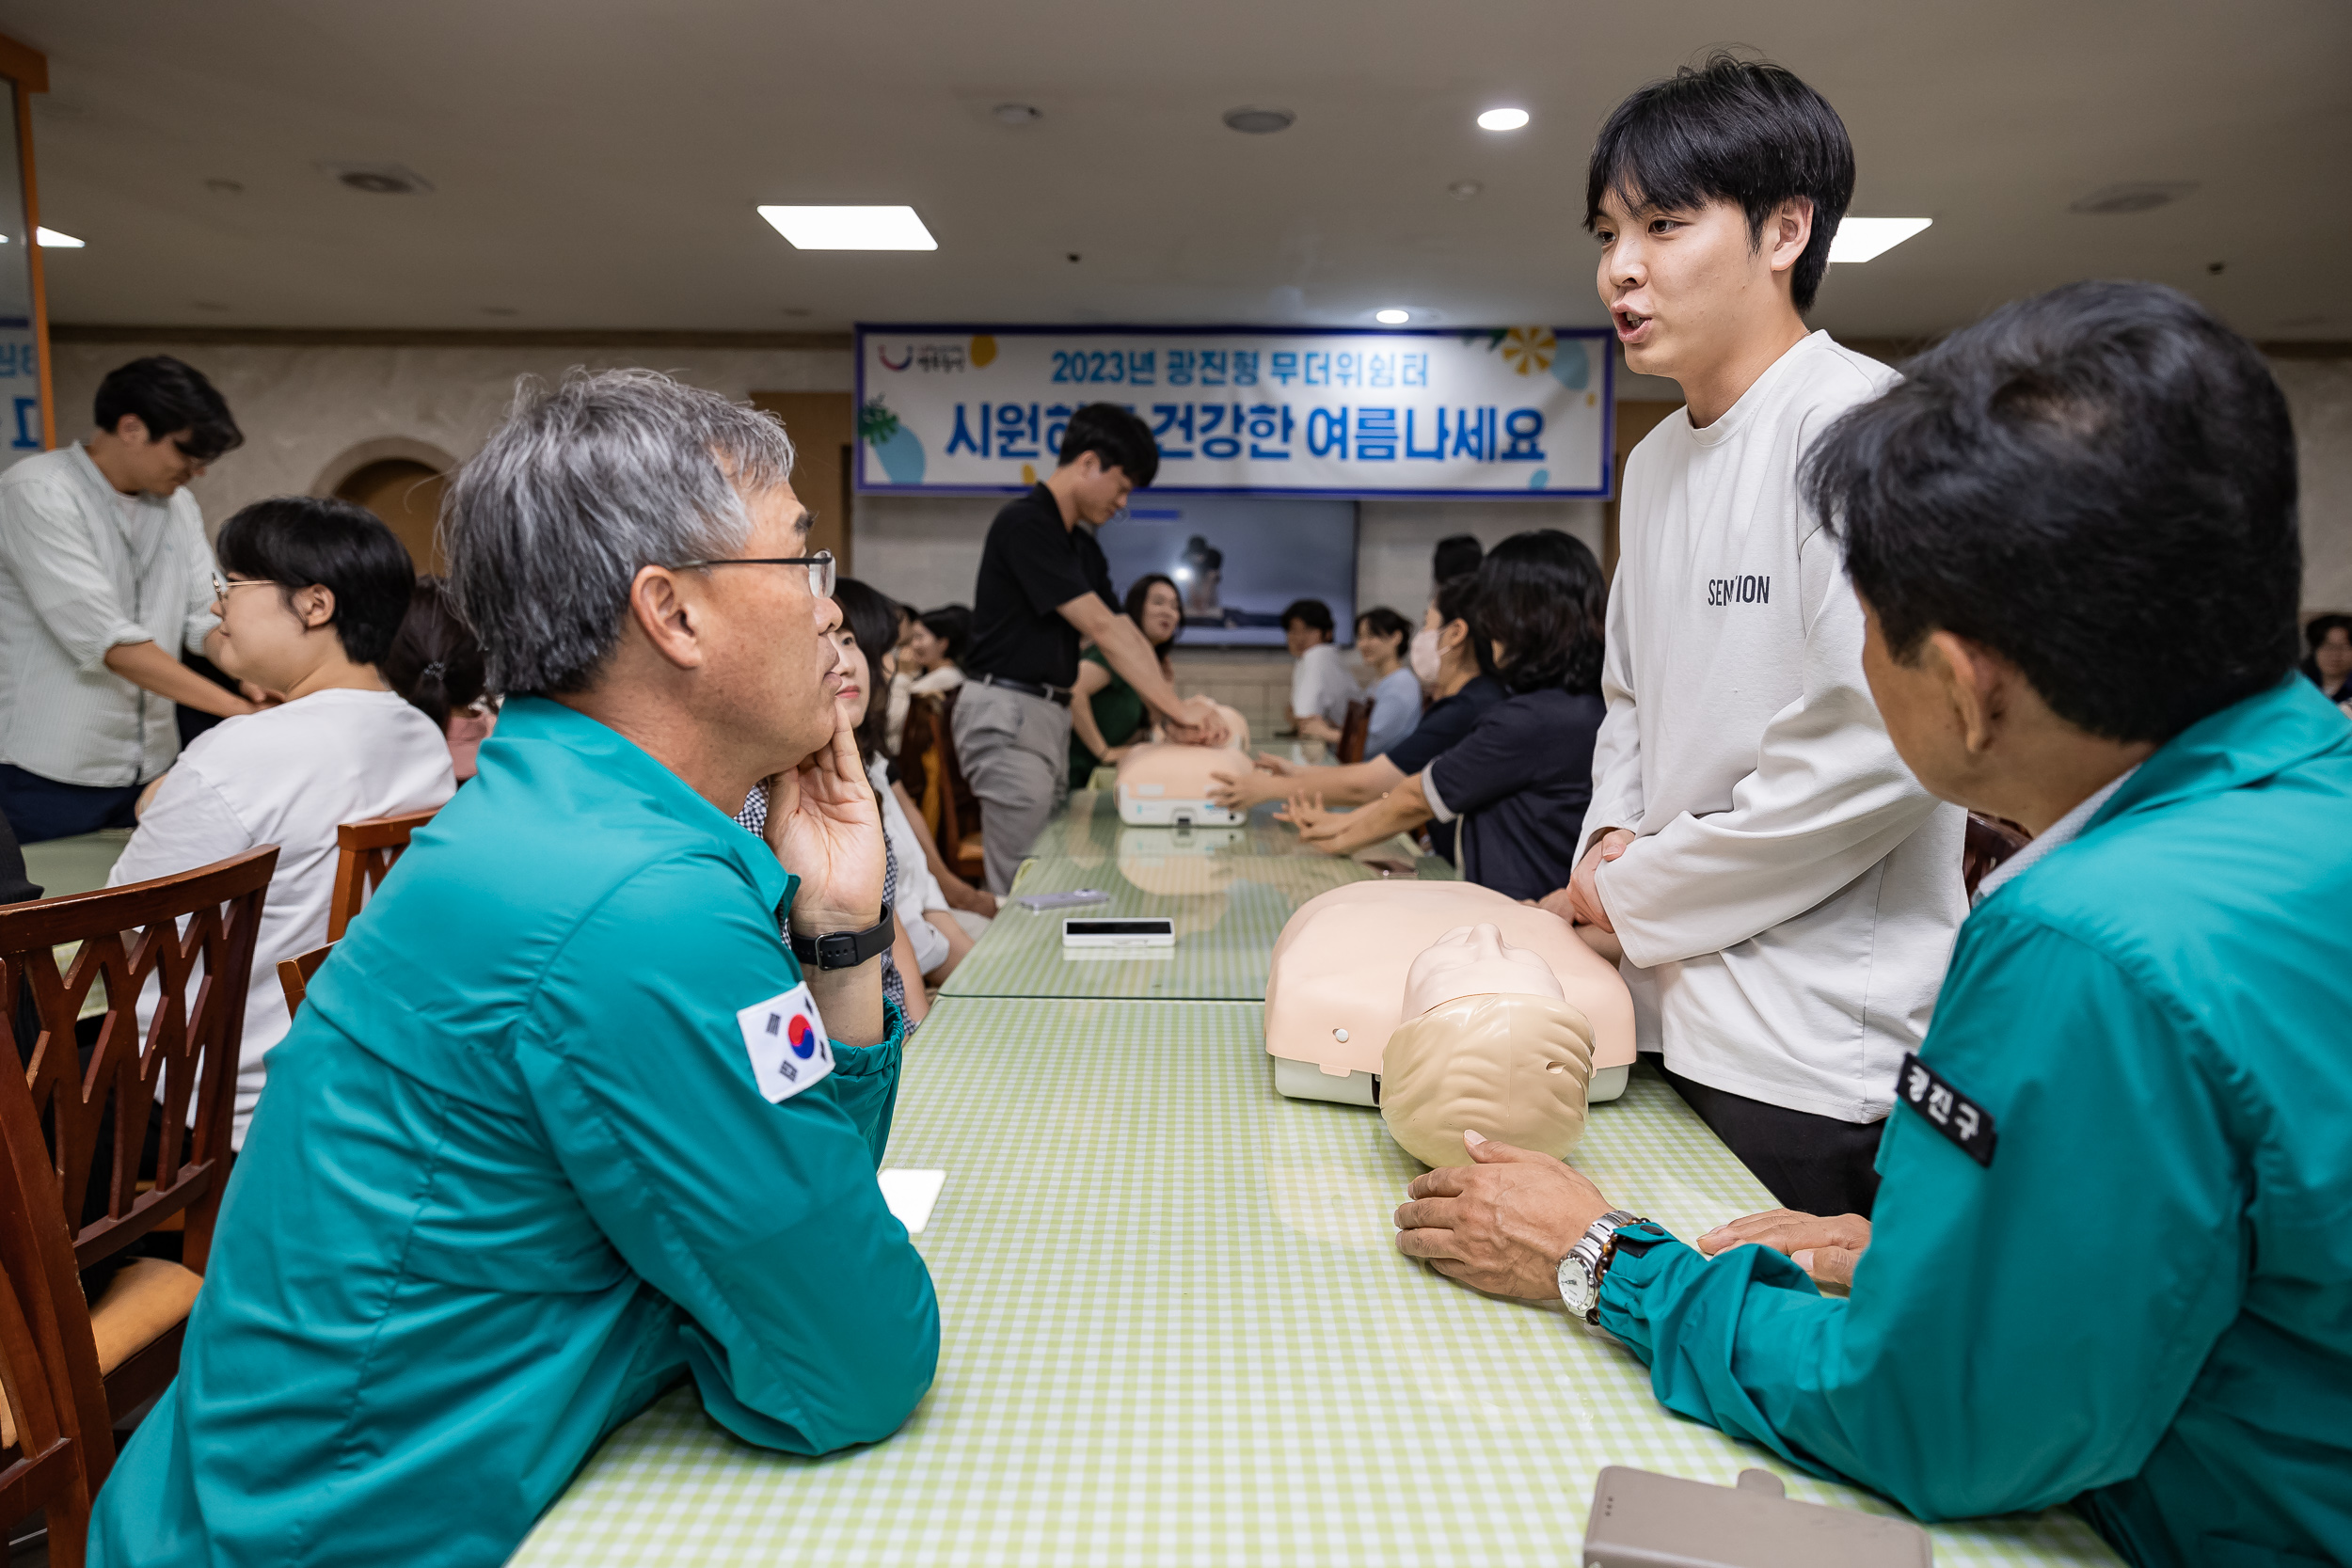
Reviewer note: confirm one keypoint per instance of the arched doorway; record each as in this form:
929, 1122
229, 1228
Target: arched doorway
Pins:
406, 494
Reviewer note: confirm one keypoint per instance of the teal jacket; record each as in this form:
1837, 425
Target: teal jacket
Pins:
521, 1165
2144, 1302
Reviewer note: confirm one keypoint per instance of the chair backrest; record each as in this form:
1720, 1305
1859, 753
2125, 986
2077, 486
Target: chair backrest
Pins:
58, 1438
1987, 843
294, 976
1353, 732
918, 758
189, 1057
958, 833
365, 853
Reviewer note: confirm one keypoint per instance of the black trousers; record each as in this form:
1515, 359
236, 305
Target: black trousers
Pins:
1817, 1164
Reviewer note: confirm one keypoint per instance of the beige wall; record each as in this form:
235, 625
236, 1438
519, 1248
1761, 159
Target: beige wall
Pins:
308, 409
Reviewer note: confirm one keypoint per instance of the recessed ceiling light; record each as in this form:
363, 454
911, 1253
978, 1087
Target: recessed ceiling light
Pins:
1859, 239
850, 227
1502, 119
1259, 122
1018, 114
1391, 317
2135, 195
48, 239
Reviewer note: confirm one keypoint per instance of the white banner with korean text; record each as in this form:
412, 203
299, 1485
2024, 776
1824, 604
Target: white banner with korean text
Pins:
1490, 412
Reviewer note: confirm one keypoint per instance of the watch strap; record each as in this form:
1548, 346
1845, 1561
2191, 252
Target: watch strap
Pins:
846, 949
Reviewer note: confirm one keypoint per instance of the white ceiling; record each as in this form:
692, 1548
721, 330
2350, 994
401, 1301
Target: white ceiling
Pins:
595, 164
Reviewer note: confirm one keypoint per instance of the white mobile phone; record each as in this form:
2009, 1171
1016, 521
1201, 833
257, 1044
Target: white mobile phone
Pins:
1140, 931
1035, 902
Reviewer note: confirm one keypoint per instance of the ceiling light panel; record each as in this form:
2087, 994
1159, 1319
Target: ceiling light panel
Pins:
48, 239
1391, 317
850, 227
1860, 239
1502, 119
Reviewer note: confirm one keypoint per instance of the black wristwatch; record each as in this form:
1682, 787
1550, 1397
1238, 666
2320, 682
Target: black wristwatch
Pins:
846, 949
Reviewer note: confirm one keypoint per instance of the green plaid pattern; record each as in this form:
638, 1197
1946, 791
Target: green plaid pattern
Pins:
1176, 1331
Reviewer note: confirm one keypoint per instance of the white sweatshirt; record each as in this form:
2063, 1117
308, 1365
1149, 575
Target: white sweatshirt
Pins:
287, 775
1789, 906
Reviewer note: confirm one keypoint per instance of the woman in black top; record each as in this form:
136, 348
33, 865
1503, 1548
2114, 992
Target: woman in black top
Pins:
1520, 780
1456, 666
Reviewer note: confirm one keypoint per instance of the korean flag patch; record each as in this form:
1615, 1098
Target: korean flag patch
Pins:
1948, 1111
786, 1037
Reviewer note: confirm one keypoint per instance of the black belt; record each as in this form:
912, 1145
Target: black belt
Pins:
1027, 689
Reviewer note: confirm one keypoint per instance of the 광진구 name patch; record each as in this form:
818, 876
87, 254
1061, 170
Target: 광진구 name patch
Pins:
786, 1037
1948, 1111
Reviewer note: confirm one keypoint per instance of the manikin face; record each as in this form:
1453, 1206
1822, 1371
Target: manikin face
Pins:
1163, 613
1475, 960
1678, 285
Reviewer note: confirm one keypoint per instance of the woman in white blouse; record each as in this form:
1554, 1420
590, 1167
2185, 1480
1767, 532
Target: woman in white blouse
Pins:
312, 593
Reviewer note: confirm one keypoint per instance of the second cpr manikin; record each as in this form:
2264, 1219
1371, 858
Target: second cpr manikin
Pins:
1336, 990
1167, 783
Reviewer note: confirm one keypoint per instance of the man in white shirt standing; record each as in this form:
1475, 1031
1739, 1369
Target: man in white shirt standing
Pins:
105, 577
1785, 891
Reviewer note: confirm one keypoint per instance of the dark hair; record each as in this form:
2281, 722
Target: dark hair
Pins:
1314, 612
1729, 130
435, 660
872, 617
1200, 553
301, 541
1457, 555
1140, 590
169, 396
952, 624
2097, 484
1457, 600
2316, 631
1541, 595
1116, 437
1385, 621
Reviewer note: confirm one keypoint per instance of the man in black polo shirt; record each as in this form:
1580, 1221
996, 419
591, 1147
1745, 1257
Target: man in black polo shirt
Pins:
1043, 587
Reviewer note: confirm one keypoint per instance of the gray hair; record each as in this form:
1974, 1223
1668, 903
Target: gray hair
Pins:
546, 528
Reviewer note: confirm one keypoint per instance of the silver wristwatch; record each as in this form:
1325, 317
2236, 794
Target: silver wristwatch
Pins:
1581, 1270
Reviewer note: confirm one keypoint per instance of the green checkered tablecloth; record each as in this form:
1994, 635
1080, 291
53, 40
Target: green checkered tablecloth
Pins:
1227, 898
1176, 1332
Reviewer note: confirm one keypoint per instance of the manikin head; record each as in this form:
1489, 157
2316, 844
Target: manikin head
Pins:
1490, 1044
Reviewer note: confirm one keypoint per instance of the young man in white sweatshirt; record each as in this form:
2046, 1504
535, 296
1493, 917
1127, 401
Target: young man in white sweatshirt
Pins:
1785, 891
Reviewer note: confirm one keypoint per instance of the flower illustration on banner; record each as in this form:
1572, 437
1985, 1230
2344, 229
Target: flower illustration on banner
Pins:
900, 450
1529, 349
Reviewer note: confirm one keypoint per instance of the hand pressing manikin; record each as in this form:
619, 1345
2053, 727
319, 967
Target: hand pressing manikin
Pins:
1490, 1044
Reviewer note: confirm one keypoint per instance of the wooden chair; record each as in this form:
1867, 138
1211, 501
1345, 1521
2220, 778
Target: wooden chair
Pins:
1989, 841
294, 974
1353, 732
55, 1445
957, 832
366, 851
97, 1112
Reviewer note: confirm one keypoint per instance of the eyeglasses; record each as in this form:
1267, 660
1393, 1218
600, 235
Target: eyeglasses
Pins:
821, 572
222, 585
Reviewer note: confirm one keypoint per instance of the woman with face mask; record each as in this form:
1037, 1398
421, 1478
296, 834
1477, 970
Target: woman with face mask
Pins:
1450, 662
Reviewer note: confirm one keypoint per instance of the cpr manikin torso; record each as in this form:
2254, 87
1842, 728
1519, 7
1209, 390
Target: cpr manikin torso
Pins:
1336, 990
1489, 1043
1166, 784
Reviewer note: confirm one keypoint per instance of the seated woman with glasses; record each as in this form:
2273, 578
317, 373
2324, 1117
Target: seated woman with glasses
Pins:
313, 594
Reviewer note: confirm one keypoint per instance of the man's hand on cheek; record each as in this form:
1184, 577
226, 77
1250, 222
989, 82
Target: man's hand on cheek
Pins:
1503, 1225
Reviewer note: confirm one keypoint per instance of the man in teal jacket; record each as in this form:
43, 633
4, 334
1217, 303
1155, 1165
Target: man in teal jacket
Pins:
562, 1120
2111, 1260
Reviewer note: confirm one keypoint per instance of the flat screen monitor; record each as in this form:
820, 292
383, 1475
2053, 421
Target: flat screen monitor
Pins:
1238, 561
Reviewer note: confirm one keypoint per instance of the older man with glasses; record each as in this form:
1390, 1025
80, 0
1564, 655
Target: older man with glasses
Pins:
567, 1118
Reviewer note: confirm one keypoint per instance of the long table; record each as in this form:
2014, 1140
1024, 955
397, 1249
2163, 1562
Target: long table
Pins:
1227, 891
1175, 1326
